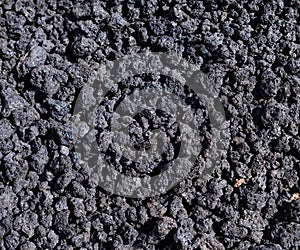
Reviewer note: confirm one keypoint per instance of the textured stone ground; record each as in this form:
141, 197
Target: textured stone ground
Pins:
250, 51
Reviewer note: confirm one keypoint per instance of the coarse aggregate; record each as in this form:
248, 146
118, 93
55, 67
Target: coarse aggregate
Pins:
250, 52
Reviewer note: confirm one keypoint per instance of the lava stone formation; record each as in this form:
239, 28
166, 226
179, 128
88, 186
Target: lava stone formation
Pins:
249, 49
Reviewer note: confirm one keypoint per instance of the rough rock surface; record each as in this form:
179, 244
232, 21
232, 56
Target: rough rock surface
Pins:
250, 51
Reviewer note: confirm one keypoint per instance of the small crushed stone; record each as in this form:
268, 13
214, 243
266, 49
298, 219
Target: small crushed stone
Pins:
249, 50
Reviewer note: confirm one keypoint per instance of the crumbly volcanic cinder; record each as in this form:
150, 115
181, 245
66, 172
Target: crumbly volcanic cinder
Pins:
248, 49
